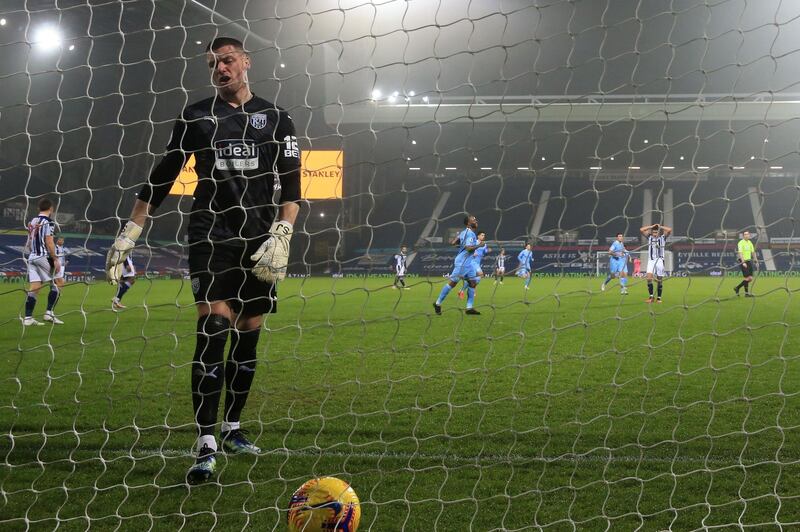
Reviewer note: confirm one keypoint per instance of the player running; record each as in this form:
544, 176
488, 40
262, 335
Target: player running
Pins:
500, 266
525, 259
246, 157
480, 252
656, 244
463, 266
748, 262
400, 269
42, 260
617, 264
127, 278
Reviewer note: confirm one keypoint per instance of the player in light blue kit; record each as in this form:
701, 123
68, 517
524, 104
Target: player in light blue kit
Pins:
477, 257
463, 266
618, 264
525, 259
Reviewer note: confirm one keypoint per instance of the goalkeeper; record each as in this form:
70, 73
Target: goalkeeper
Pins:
246, 154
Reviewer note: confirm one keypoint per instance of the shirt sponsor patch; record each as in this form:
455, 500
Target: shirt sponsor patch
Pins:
235, 154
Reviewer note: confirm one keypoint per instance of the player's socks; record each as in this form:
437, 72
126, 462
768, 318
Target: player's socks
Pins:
240, 369
746, 286
623, 281
660, 289
52, 298
443, 294
470, 297
123, 287
208, 370
650, 288
528, 281
30, 304
608, 279
403, 282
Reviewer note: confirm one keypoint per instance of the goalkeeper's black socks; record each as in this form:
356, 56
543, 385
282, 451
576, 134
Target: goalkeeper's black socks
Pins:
746, 286
239, 372
208, 372
123, 287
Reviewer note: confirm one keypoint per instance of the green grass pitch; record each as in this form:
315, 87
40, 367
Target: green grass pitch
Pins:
573, 409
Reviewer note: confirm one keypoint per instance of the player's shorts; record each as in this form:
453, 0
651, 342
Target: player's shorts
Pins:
501, 269
523, 272
128, 270
617, 265
221, 272
59, 274
656, 267
747, 268
40, 270
464, 270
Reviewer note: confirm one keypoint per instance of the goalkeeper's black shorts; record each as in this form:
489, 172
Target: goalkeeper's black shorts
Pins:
747, 268
224, 272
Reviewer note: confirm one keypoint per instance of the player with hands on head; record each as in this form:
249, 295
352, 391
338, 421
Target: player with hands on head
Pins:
656, 246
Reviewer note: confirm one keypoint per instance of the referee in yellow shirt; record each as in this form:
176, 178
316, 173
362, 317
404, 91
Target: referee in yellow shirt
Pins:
747, 259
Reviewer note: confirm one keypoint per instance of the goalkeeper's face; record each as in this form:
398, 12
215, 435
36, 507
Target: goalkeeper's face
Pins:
229, 66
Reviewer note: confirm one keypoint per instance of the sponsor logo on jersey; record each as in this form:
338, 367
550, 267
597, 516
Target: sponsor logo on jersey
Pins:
235, 154
258, 120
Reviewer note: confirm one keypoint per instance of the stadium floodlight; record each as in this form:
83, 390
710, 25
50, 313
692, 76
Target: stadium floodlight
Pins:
681, 157
558, 168
71, 47
450, 168
475, 159
738, 167
425, 99
283, 65
198, 42
3, 22
322, 215
611, 158
414, 168
634, 168
376, 94
412, 93
544, 159
47, 38
702, 167
752, 157
776, 167
413, 142
595, 168
486, 167
646, 141
668, 168
522, 168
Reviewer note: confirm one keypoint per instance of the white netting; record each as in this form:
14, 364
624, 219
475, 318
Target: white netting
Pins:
557, 123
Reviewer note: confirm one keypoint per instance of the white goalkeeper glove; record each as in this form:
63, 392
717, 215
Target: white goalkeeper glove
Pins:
272, 257
120, 250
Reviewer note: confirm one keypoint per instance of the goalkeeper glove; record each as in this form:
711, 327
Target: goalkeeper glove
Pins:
120, 250
272, 257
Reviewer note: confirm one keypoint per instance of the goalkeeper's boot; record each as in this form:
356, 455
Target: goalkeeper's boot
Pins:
204, 467
472, 311
748, 294
49, 316
737, 291
235, 442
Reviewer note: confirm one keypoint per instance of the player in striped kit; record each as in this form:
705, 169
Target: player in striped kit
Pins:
128, 277
656, 246
42, 257
400, 268
500, 266
57, 283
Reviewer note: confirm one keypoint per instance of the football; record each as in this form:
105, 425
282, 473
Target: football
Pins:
324, 505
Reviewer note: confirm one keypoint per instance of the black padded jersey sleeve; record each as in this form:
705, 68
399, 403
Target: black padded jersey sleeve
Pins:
164, 174
287, 163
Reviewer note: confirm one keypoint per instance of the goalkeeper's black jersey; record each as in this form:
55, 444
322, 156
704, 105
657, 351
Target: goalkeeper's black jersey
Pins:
244, 156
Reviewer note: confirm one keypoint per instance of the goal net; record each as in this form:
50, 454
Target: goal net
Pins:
557, 124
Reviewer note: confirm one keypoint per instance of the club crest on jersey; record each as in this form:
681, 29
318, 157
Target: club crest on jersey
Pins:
235, 154
258, 120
